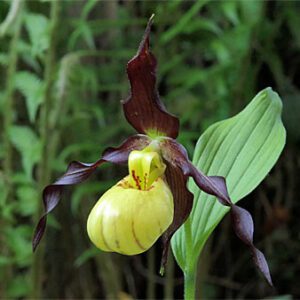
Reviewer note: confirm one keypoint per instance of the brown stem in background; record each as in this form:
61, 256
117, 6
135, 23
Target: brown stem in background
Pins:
108, 263
169, 284
151, 270
44, 173
203, 266
110, 274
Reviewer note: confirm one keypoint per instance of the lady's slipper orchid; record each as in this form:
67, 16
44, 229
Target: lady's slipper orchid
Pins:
153, 199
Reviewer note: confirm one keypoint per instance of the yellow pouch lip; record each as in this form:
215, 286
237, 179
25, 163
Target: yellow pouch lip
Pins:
129, 221
134, 213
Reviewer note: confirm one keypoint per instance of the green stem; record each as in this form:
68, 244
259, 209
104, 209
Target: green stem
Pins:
44, 168
190, 273
190, 284
7, 123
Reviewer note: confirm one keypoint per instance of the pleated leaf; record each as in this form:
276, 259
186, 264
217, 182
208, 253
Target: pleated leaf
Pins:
243, 149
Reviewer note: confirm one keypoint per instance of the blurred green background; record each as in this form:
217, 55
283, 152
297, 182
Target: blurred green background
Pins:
62, 71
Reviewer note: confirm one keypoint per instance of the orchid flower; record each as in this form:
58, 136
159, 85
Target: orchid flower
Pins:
153, 200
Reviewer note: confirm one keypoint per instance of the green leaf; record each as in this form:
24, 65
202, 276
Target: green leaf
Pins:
243, 149
28, 200
37, 26
3, 59
85, 256
18, 287
32, 88
4, 260
19, 242
88, 7
29, 146
230, 9
185, 20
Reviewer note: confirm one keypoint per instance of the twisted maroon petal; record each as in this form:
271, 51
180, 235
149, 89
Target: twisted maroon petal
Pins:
143, 108
78, 172
183, 203
244, 228
242, 221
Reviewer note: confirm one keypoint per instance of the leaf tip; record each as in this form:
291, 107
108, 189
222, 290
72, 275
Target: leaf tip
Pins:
151, 18
273, 97
162, 271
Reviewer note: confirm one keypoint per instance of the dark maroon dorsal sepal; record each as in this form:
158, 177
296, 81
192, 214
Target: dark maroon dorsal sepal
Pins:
143, 109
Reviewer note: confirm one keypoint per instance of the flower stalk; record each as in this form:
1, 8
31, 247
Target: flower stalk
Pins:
190, 284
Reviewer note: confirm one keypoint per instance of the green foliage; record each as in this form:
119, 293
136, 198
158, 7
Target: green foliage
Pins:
18, 238
37, 26
29, 146
18, 287
3, 193
243, 149
83, 29
3, 59
85, 256
33, 90
28, 199
183, 23
10, 21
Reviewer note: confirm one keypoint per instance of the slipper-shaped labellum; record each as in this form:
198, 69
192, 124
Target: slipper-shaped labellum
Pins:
153, 199
134, 213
